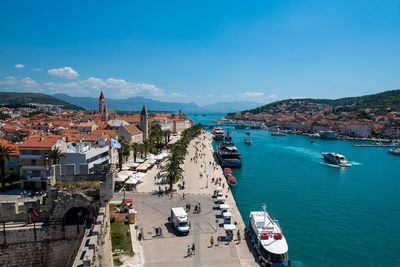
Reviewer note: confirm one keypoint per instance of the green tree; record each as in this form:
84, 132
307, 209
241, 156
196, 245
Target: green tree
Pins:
5, 152
54, 155
135, 150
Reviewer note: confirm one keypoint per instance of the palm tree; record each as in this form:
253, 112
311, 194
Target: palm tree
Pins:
5, 152
135, 149
54, 155
174, 170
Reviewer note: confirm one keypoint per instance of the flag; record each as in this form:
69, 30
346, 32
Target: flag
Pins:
115, 143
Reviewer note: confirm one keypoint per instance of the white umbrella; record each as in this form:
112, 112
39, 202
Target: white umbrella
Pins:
219, 188
224, 206
143, 167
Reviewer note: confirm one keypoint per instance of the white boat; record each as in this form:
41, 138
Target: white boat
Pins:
248, 141
394, 151
218, 133
267, 239
336, 158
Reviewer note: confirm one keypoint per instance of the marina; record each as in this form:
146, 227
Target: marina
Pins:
318, 201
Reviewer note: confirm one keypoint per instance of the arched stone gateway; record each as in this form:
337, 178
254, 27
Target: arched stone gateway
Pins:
77, 215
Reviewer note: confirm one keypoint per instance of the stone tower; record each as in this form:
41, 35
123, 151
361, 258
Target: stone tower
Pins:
144, 125
102, 107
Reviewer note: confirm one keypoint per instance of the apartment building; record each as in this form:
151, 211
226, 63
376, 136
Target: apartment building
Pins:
33, 167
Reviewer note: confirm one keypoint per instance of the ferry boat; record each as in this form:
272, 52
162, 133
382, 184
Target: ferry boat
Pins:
228, 155
218, 133
336, 158
267, 239
331, 135
394, 151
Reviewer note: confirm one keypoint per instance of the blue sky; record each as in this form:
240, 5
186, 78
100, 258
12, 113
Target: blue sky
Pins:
201, 51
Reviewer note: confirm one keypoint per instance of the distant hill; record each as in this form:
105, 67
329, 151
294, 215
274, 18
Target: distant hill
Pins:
378, 103
27, 98
136, 103
130, 104
225, 107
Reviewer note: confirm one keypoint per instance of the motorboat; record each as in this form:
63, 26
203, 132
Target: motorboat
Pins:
267, 239
228, 155
394, 151
218, 133
227, 172
336, 158
248, 141
232, 182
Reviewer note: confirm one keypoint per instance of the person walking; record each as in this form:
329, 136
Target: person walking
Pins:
212, 241
189, 251
193, 249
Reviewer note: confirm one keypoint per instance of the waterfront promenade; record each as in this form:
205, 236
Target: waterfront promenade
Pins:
153, 211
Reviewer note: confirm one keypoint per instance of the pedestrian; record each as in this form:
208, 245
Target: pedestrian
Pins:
189, 251
183, 195
212, 241
189, 206
238, 236
193, 249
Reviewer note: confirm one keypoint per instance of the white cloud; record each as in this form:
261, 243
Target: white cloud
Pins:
272, 97
28, 82
254, 94
19, 66
175, 94
66, 72
114, 88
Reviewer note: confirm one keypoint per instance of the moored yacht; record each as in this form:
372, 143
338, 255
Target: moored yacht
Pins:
218, 133
228, 155
267, 239
336, 158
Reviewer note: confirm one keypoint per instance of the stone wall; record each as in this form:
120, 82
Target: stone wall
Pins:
39, 246
92, 250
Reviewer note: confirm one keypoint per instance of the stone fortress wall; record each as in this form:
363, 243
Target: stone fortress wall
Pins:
50, 241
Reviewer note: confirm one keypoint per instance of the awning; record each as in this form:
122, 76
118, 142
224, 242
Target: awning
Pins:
224, 206
227, 214
143, 167
229, 227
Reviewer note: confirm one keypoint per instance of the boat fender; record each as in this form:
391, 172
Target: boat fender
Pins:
264, 236
277, 236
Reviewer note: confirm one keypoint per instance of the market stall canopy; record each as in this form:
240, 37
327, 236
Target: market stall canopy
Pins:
130, 165
229, 227
123, 175
219, 188
143, 167
227, 214
161, 156
224, 206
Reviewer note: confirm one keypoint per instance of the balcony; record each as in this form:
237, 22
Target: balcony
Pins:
25, 156
33, 168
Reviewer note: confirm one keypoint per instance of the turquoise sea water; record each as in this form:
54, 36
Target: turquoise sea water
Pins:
330, 216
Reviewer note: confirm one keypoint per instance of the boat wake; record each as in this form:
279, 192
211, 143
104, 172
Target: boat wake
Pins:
329, 164
355, 163
305, 151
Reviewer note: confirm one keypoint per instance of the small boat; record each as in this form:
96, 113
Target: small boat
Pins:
336, 158
247, 141
228, 138
394, 151
312, 142
227, 172
248, 133
232, 182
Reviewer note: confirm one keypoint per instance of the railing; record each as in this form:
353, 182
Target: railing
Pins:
77, 245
